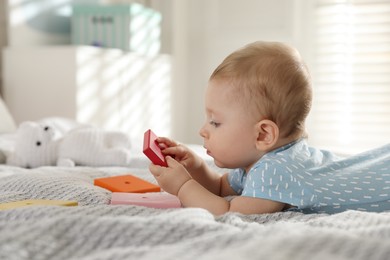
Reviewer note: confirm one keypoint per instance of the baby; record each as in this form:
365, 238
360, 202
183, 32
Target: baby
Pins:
257, 101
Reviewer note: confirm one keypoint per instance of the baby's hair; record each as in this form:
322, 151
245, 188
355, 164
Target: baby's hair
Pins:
272, 79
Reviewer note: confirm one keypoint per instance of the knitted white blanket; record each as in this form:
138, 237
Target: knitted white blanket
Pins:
95, 230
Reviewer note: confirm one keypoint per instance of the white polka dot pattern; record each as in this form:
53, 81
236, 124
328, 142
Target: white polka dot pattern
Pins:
314, 180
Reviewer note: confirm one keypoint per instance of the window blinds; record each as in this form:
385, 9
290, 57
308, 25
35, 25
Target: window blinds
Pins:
351, 75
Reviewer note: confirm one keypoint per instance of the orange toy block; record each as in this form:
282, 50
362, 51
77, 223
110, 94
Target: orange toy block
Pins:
25, 203
126, 183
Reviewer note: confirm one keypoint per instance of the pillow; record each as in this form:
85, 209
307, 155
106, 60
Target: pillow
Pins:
7, 123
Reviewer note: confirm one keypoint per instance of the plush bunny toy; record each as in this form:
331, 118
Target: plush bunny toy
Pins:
41, 145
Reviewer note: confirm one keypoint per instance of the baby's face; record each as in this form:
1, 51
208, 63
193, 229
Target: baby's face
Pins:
229, 132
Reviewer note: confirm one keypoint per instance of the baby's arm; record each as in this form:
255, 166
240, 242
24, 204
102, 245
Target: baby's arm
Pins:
176, 180
191, 194
193, 163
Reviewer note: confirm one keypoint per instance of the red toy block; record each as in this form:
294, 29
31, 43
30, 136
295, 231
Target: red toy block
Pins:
126, 183
151, 149
160, 200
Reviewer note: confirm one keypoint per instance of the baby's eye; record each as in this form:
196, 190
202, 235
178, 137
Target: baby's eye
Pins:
213, 123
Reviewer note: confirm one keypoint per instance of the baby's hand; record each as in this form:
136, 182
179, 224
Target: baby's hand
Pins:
181, 153
170, 178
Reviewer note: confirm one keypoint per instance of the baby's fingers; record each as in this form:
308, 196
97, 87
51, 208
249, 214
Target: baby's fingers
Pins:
156, 170
175, 151
165, 142
172, 163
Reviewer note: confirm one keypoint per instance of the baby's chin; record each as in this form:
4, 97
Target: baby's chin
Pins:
222, 165
218, 163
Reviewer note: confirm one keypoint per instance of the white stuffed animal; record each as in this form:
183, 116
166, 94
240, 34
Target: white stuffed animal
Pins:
40, 144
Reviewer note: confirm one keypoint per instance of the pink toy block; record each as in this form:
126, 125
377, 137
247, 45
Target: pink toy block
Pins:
151, 149
161, 200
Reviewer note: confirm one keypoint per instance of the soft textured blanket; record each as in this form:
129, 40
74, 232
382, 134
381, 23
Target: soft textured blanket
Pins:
96, 230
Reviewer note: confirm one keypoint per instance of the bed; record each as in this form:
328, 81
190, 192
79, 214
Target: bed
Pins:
97, 230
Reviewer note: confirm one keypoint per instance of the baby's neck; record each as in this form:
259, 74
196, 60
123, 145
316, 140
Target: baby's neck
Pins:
281, 142
284, 141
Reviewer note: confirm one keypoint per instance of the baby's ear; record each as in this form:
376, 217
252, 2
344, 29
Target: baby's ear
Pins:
267, 135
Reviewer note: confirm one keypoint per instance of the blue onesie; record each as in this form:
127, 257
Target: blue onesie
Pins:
317, 181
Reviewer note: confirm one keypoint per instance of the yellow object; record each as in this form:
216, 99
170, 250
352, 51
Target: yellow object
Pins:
25, 203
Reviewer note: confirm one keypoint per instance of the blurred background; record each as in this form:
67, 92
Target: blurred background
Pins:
134, 65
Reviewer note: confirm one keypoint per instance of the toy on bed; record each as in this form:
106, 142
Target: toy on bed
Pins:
39, 144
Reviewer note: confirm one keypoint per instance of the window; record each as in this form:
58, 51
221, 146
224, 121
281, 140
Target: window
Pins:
351, 75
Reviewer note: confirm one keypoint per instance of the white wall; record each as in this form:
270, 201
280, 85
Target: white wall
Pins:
205, 31
200, 33
3, 36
